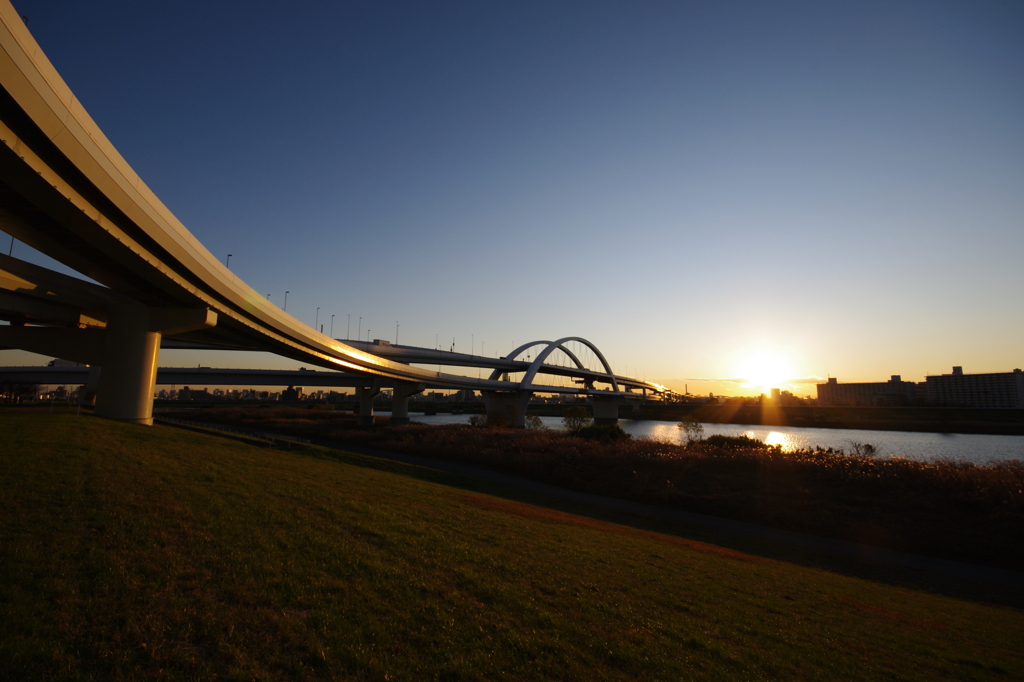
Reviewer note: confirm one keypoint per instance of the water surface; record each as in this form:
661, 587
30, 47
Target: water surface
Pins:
920, 446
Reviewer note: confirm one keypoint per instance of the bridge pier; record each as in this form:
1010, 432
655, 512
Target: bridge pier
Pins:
122, 358
400, 395
606, 408
366, 394
128, 367
508, 404
131, 347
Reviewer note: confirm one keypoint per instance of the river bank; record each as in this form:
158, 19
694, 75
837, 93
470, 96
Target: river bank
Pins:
919, 419
136, 552
952, 510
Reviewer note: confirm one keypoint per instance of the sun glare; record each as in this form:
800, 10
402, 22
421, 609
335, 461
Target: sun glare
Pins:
765, 371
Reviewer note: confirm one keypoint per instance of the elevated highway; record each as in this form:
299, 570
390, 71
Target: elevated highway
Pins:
67, 192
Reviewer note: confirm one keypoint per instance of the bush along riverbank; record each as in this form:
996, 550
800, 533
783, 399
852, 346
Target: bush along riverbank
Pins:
947, 509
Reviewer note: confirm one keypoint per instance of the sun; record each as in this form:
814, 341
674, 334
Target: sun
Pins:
765, 371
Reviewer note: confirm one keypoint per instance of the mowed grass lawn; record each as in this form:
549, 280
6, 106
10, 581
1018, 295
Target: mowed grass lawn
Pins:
133, 552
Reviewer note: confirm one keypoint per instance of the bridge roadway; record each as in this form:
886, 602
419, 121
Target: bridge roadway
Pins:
67, 192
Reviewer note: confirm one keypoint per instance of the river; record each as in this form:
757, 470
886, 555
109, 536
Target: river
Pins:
979, 449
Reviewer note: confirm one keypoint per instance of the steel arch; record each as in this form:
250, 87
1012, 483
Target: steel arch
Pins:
550, 347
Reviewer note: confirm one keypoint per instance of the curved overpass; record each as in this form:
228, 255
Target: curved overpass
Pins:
66, 191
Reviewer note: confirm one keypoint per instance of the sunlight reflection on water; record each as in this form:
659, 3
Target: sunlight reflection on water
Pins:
780, 439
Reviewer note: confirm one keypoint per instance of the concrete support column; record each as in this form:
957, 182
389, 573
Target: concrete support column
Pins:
606, 408
507, 405
401, 393
122, 356
366, 394
130, 352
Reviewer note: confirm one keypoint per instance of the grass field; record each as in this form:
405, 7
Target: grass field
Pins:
130, 552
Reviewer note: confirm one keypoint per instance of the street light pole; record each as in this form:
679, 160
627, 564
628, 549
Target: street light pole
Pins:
286, 300
368, 330
317, 319
332, 326
396, 332
227, 263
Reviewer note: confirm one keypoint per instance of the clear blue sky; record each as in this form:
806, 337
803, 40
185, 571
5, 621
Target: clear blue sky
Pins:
835, 188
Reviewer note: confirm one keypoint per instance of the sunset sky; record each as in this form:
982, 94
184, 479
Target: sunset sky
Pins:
708, 191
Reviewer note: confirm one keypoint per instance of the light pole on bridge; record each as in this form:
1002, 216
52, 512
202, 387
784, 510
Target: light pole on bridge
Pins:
368, 330
316, 321
227, 263
286, 300
332, 326
396, 332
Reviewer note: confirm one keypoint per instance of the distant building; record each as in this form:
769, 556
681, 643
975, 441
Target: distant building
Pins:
189, 394
291, 394
997, 390
466, 395
892, 392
